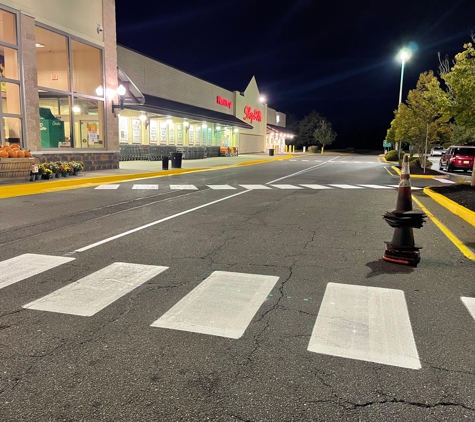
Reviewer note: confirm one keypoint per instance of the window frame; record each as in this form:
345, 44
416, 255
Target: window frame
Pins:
72, 94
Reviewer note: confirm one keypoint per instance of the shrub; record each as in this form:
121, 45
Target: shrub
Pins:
313, 148
392, 155
416, 162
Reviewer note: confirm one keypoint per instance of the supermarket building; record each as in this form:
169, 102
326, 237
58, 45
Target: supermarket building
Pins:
70, 93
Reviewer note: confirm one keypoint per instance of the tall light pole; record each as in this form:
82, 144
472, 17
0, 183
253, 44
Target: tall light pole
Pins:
403, 55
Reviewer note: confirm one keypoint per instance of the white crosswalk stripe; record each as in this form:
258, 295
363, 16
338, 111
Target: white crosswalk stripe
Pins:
286, 187
94, 292
183, 187
376, 186
221, 187
365, 323
469, 303
354, 322
343, 186
412, 187
107, 187
27, 265
145, 187
222, 305
261, 187
252, 187
316, 186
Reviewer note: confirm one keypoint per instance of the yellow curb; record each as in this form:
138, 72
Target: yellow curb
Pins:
457, 209
417, 176
467, 252
389, 172
72, 182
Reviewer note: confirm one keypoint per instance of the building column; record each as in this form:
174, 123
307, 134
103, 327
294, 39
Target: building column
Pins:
29, 75
110, 66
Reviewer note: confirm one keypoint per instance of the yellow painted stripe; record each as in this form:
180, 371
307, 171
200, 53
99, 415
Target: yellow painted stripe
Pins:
389, 172
467, 252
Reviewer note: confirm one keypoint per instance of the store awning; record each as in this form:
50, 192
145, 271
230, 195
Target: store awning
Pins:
166, 107
275, 128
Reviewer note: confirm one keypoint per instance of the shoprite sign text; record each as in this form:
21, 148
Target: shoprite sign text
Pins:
220, 100
252, 115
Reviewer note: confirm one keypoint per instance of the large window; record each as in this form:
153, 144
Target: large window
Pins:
69, 73
10, 106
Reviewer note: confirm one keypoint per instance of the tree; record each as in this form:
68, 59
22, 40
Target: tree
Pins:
324, 134
420, 117
307, 127
458, 100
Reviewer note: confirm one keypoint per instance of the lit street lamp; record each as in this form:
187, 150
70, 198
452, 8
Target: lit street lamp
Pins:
403, 55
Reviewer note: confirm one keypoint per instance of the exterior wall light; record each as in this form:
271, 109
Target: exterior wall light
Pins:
100, 91
121, 94
143, 117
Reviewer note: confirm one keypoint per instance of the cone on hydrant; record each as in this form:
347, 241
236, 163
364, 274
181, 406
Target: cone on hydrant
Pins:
401, 249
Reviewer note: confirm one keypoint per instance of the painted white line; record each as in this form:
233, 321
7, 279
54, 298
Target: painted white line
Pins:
253, 187
27, 265
153, 223
469, 303
292, 160
365, 323
412, 187
220, 187
346, 186
145, 187
183, 187
304, 170
222, 305
376, 186
107, 187
304, 160
444, 180
94, 292
286, 187
317, 186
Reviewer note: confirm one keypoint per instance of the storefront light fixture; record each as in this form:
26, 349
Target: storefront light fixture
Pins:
204, 125
121, 94
236, 130
169, 122
262, 99
100, 91
77, 109
143, 117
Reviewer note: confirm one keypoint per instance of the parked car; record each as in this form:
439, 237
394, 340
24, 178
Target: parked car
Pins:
457, 158
437, 151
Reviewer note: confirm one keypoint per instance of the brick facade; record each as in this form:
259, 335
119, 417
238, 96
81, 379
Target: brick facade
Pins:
104, 160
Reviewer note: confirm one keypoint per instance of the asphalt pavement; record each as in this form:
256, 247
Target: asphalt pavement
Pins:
232, 293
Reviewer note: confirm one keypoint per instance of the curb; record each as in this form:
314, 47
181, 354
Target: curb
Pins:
30, 188
419, 176
457, 209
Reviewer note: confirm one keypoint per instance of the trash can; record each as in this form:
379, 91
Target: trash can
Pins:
176, 160
165, 162
271, 152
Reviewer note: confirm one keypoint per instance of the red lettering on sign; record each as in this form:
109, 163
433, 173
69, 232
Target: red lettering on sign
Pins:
252, 115
220, 100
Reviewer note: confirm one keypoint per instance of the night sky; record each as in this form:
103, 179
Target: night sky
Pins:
337, 58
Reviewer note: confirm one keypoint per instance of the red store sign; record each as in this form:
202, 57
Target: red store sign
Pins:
220, 100
252, 115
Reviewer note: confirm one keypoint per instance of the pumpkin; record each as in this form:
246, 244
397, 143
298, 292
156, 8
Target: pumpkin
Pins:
15, 146
13, 153
3, 153
27, 154
20, 154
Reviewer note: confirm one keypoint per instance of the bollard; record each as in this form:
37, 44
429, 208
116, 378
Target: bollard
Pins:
401, 249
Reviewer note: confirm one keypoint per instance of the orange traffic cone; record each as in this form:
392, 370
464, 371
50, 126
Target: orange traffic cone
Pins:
401, 249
